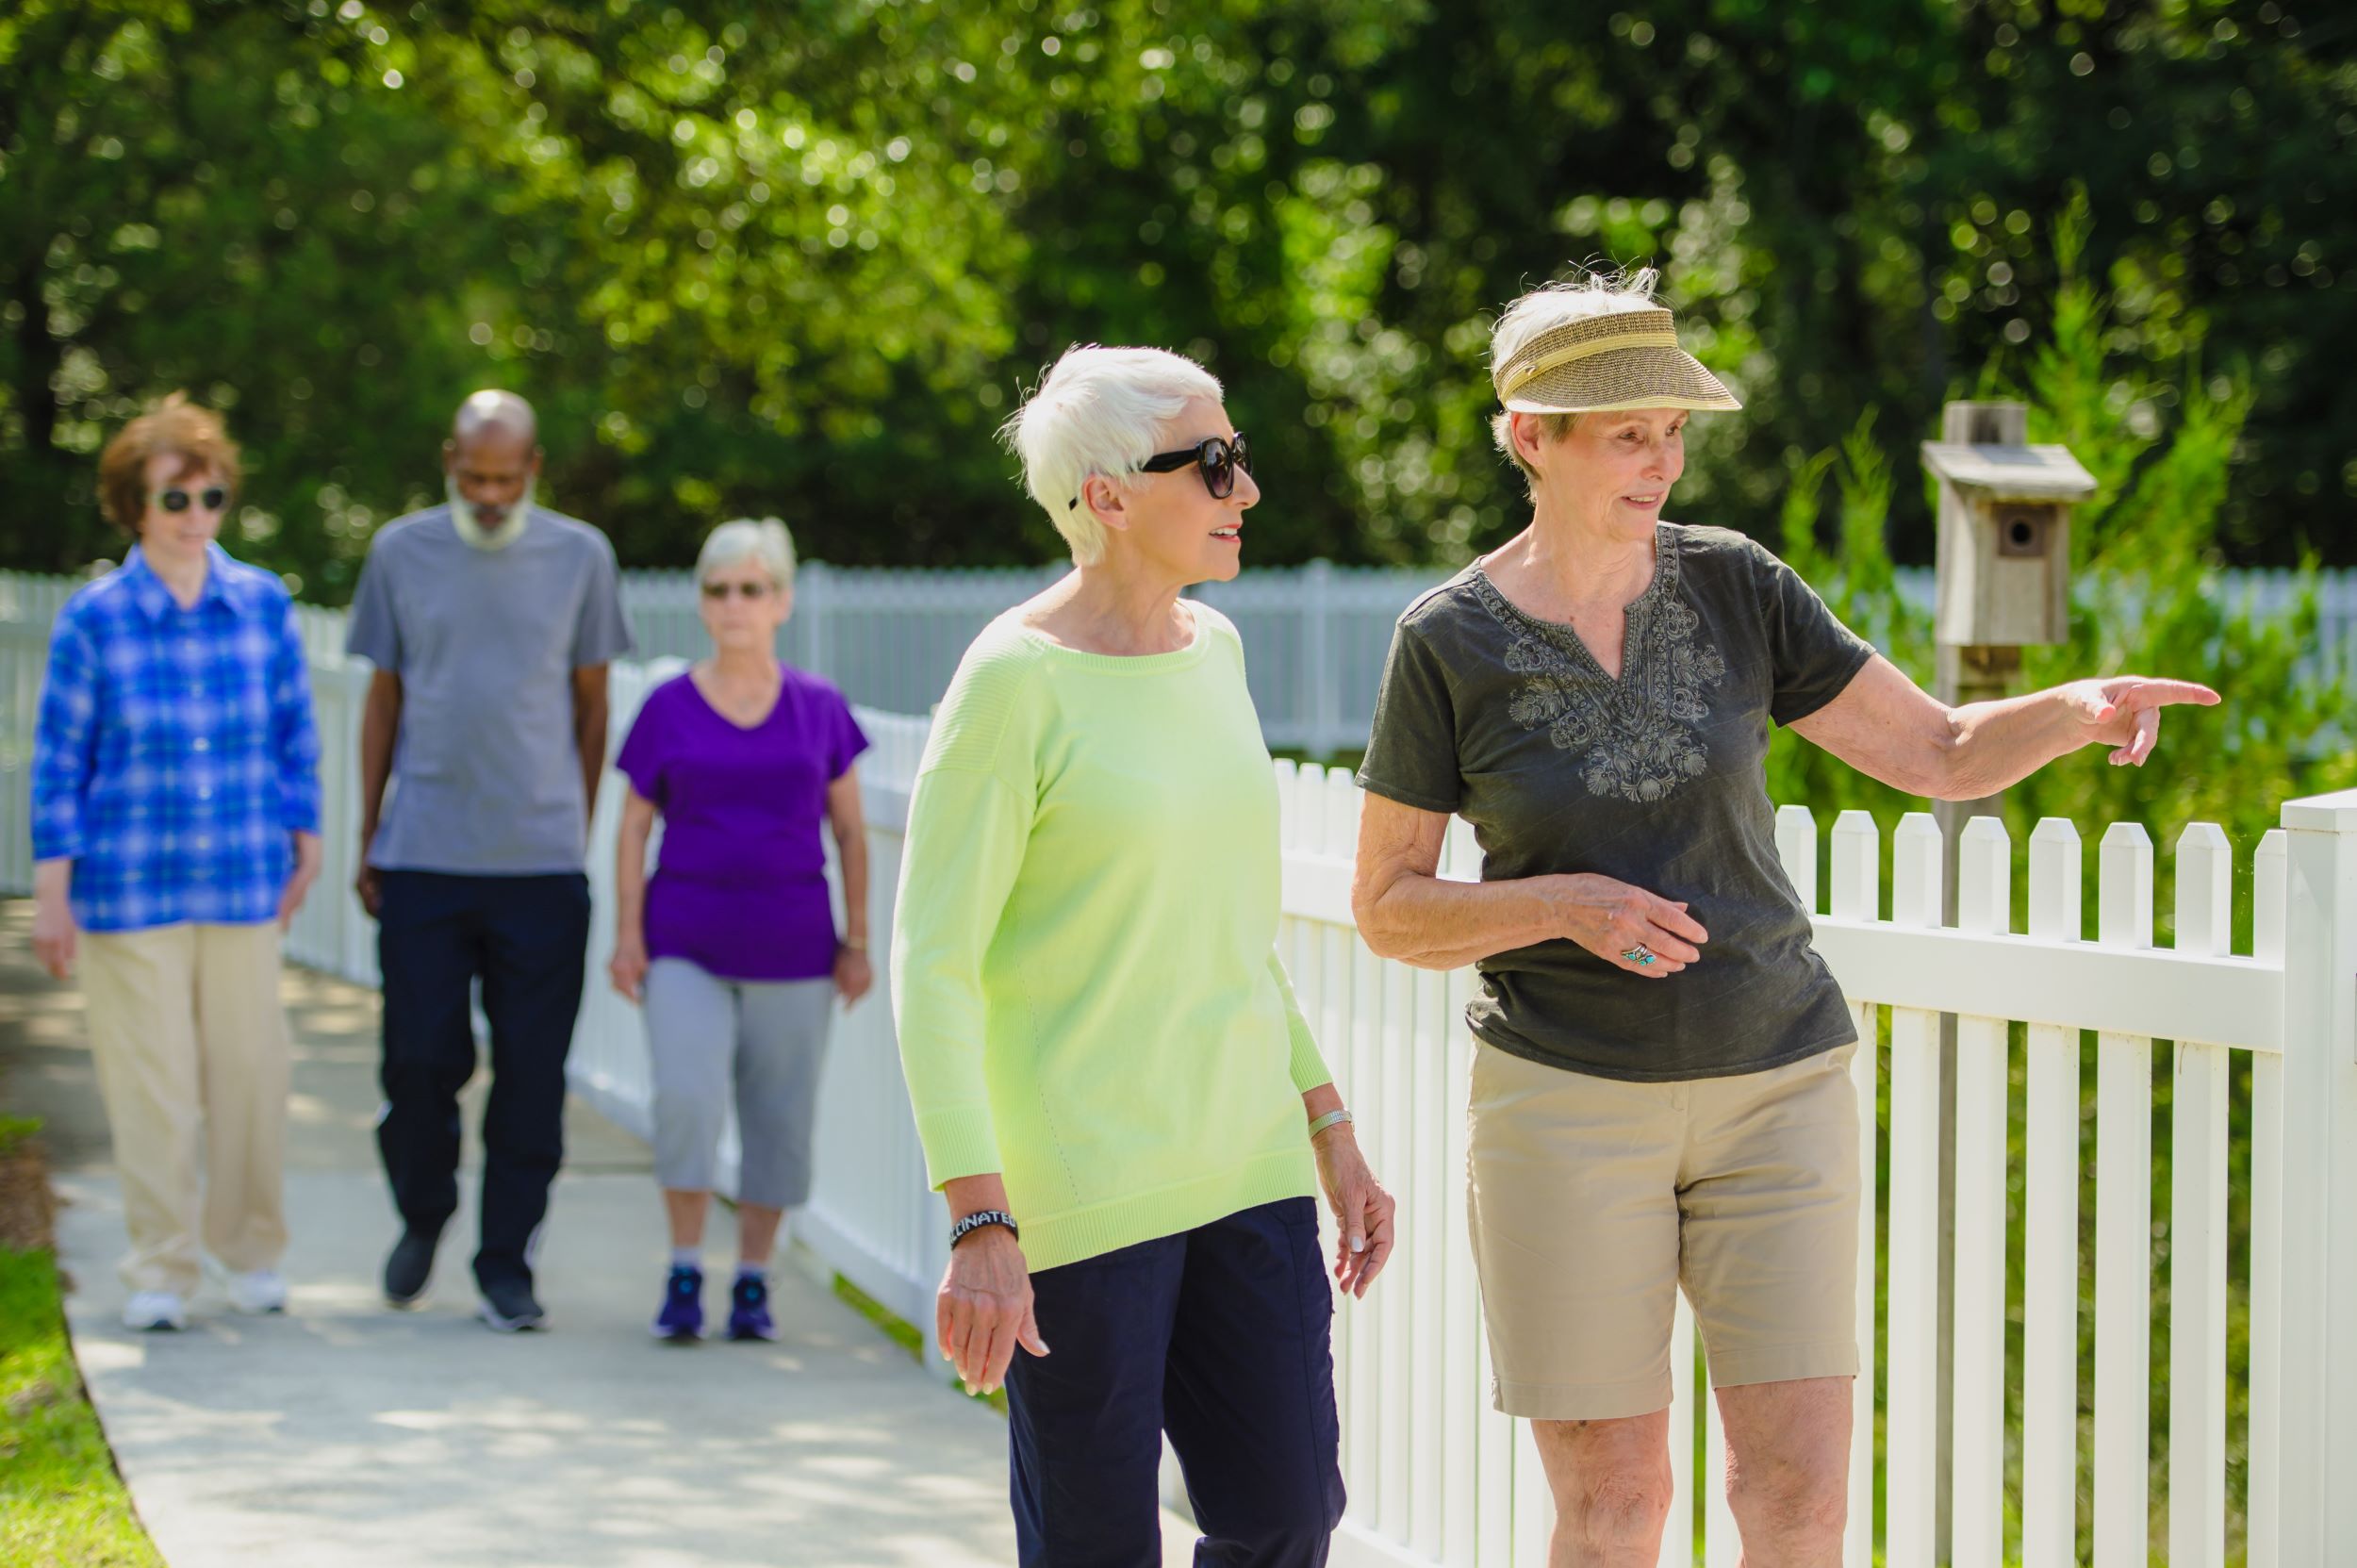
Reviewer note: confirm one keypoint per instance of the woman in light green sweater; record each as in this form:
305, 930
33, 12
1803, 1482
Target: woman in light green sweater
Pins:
1113, 1085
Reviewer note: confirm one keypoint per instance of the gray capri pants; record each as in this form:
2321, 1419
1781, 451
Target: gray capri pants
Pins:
769, 1036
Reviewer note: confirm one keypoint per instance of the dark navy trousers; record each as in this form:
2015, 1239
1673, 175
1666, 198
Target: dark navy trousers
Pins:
1221, 1336
526, 938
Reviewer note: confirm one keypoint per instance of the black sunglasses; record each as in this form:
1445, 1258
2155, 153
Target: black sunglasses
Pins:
744, 590
212, 498
1220, 458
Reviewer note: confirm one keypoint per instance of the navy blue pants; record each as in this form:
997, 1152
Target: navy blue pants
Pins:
1220, 1336
526, 939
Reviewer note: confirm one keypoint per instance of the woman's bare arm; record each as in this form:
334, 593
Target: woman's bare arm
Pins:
628, 967
848, 822
1407, 911
1889, 728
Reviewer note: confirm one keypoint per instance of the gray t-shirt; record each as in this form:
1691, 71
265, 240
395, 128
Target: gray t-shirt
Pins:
1657, 779
486, 777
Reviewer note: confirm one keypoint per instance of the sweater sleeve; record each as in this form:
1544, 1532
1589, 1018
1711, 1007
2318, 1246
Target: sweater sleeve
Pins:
1309, 1062
969, 823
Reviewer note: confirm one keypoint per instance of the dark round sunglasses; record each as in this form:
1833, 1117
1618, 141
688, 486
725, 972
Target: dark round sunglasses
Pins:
1219, 458
212, 498
743, 591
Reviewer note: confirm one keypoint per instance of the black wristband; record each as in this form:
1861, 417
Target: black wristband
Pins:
980, 1218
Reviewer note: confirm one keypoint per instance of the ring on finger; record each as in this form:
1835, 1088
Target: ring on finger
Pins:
1640, 955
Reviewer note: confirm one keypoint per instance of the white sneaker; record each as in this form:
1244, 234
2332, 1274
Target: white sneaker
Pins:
263, 1290
149, 1311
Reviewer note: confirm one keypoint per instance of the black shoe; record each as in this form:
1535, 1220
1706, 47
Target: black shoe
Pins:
408, 1266
508, 1307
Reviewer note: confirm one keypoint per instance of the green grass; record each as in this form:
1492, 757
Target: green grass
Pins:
904, 1334
61, 1502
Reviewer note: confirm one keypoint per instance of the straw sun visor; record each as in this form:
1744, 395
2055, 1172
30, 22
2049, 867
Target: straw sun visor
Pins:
1599, 364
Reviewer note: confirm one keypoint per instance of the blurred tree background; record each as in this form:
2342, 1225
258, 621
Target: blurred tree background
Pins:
805, 264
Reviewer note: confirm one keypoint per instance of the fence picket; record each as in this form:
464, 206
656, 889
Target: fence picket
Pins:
1914, 1263
2264, 1444
1388, 1308
1859, 867
1977, 1473
1498, 1439
1856, 894
2123, 1225
2196, 1231
1348, 1036
1796, 846
1463, 1394
1424, 1189
2050, 1252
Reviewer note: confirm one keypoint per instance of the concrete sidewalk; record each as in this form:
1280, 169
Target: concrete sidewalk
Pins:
345, 1435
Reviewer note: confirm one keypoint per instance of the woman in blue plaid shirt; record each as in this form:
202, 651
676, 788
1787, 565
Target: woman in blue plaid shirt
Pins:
176, 831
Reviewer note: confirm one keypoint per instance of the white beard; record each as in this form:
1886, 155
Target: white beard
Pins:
468, 518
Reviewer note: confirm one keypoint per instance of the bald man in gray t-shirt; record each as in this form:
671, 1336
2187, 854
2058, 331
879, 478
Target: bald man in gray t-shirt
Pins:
491, 622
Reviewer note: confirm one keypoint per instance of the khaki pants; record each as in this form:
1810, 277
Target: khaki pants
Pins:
189, 1037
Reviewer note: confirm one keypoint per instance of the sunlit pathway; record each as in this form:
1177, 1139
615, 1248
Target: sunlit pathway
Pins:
346, 1436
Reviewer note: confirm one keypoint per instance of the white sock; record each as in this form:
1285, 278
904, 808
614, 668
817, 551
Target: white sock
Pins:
752, 1271
688, 1257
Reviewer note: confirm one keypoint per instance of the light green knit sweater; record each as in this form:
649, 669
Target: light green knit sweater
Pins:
1083, 962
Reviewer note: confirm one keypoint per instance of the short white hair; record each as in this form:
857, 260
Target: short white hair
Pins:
1099, 412
761, 539
1583, 295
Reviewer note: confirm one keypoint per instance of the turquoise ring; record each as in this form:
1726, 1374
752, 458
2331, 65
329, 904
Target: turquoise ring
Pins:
1640, 956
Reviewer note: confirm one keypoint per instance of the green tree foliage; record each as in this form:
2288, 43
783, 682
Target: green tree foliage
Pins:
805, 261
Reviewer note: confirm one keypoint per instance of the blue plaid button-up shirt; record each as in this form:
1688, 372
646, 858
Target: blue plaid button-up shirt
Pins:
175, 753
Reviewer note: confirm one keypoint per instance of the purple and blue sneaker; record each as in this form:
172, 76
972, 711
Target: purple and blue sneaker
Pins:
749, 1308
683, 1313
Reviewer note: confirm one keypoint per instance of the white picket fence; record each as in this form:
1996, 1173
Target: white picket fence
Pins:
1438, 1477
1441, 1479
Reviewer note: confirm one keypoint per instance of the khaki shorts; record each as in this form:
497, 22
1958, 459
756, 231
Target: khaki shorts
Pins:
1594, 1200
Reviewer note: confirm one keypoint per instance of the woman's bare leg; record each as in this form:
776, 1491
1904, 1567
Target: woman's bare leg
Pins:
1611, 1484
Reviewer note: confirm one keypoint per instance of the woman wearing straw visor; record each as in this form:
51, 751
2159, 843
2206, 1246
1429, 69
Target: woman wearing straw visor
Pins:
1112, 1085
731, 948
1660, 1095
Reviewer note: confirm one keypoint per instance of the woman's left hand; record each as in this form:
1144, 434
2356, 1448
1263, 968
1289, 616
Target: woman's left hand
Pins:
855, 977
1362, 1209
2124, 713
309, 857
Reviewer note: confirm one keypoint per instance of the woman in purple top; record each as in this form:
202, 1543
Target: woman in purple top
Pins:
731, 946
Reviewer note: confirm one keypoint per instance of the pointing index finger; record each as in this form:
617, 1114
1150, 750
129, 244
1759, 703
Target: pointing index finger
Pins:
2163, 693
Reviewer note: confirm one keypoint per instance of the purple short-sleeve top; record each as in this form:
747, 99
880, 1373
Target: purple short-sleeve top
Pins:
740, 886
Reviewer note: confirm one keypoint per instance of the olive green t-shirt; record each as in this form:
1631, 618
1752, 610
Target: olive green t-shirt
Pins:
1657, 778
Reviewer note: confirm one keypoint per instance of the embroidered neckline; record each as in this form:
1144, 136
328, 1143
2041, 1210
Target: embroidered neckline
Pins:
1636, 737
1639, 611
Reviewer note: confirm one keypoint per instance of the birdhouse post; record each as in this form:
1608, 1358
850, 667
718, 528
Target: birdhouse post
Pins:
2003, 584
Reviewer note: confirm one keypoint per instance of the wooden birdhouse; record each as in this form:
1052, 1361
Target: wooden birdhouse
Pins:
2004, 529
